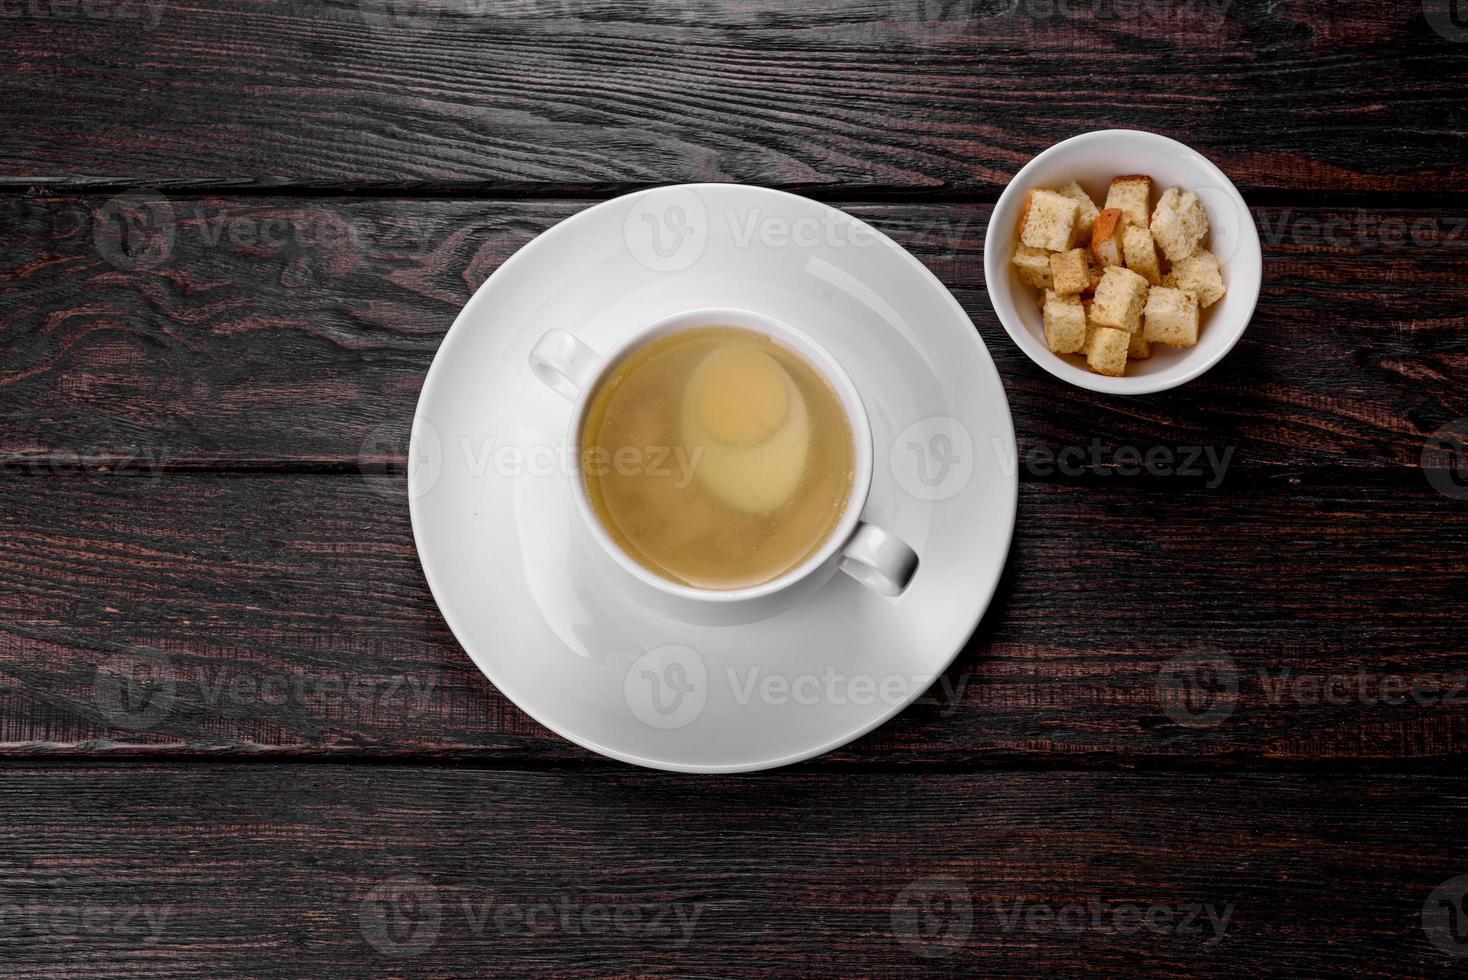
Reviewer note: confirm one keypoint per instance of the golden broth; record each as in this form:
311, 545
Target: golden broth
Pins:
717, 457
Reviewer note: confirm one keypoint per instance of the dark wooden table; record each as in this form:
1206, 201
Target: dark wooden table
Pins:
1214, 722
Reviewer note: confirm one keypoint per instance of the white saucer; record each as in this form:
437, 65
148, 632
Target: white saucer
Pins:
493, 517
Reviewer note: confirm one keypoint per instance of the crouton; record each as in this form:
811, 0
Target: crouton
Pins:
1141, 254
1140, 347
1106, 238
1065, 324
1033, 265
1133, 197
1179, 223
1106, 351
1070, 271
1119, 300
1048, 221
1200, 275
1086, 217
1170, 317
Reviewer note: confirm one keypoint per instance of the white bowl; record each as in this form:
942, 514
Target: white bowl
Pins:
1092, 159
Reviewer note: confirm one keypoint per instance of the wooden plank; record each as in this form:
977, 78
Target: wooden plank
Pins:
281, 331
332, 871
291, 617
949, 96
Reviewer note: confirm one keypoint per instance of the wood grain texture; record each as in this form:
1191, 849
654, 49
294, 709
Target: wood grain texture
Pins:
289, 332
289, 616
357, 871
935, 95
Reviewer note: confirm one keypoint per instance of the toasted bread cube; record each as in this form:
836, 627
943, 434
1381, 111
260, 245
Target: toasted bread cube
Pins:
1133, 197
1170, 317
1106, 237
1179, 223
1106, 351
1141, 254
1200, 275
1070, 271
1086, 217
1140, 347
1120, 300
1065, 324
1033, 265
1048, 221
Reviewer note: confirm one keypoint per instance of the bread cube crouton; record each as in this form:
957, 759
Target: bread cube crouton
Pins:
1133, 197
1065, 324
1033, 265
1200, 275
1048, 221
1179, 223
1141, 254
1106, 237
1070, 271
1106, 351
1140, 347
1120, 300
1170, 317
1086, 217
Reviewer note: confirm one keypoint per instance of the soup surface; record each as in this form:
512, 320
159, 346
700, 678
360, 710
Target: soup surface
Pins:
717, 457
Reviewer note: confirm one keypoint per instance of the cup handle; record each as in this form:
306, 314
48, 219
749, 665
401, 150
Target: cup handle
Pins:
563, 363
879, 560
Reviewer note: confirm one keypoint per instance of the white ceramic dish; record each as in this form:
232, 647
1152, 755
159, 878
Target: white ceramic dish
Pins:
1093, 159
497, 528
